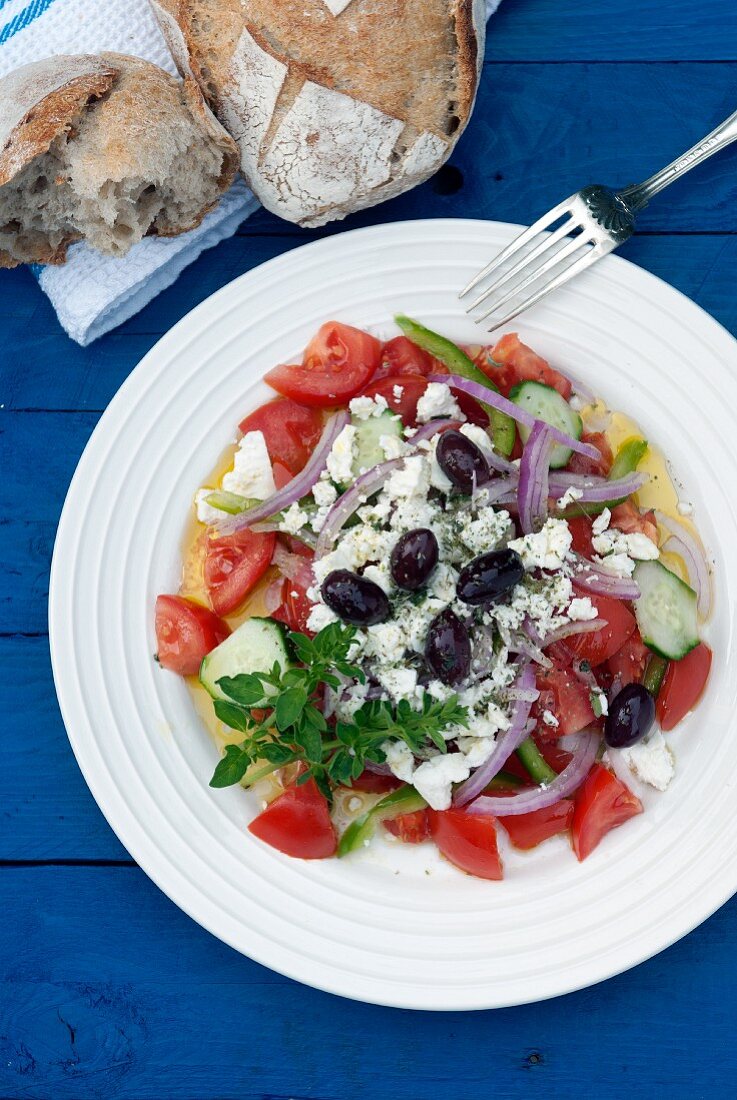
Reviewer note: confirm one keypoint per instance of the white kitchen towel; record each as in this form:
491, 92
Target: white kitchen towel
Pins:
92, 293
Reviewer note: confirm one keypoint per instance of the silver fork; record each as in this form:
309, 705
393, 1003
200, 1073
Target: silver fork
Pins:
593, 222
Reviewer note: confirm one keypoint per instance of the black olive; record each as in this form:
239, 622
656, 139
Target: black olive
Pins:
448, 648
354, 599
630, 718
489, 576
462, 461
413, 558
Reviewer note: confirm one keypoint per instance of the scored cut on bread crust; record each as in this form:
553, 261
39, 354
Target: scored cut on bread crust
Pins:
106, 148
335, 106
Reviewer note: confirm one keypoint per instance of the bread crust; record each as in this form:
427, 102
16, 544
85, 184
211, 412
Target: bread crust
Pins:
141, 115
301, 75
42, 101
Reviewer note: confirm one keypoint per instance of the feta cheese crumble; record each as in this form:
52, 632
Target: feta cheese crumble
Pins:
205, 512
437, 400
400, 759
251, 475
434, 778
364, 407
581, 610
544, 549
571, 495
652, 761
340, 459
294, 519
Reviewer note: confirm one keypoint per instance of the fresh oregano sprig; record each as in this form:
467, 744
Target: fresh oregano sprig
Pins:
277, 713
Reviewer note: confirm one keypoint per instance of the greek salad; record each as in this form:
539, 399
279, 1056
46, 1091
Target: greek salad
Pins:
439, 591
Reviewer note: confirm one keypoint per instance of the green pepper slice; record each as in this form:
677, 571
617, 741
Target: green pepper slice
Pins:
503, 428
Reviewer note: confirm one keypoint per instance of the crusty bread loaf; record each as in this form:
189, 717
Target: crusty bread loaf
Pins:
107, 148
335, 104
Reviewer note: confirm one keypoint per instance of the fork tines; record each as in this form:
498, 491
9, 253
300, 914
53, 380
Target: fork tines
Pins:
565, 248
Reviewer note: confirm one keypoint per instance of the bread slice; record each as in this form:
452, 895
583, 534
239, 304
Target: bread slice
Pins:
103, 148
336, 105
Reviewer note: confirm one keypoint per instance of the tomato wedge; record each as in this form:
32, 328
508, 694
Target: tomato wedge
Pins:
401, 393
567, 698
602, 803
468, 841
630, 520
682, 686
298, 823
185, 633
401, 356
290, 431
628, 663
528, 830
295, 607
373, 783
582, 464
234, 564
410, 828
337, 364
519, 363
582, 535
599, 645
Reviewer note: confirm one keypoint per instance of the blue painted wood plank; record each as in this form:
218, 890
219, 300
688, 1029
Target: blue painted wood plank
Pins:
109, 991
548, 30
42, 369
46, 809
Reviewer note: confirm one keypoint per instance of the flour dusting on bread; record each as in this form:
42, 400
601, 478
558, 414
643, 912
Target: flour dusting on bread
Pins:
335, 105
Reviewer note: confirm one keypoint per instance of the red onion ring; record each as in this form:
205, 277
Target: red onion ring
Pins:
584, 755
532, 493
683, 543
510, 740
529, 649
346, 504
579, 388
595, 490
589, 626
293, 566
599, 581
490, 397
427, 431
377, 769
295, 489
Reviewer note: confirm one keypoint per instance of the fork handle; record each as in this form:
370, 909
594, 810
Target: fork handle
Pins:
638, 195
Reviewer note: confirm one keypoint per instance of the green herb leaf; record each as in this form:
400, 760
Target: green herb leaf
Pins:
289, 706
246, 689
231, 768
232, 715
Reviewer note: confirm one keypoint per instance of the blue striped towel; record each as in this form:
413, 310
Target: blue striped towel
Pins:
92, 293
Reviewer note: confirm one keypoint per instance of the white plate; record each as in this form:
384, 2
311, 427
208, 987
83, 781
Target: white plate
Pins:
395, 926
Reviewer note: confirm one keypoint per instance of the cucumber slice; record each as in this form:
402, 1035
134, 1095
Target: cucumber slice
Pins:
256, 646
666, 611
546, 404
367, 440
405, 800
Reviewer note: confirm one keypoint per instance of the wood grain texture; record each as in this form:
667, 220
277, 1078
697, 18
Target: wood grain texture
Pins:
111, 992
46, 809
667, 30
106, 989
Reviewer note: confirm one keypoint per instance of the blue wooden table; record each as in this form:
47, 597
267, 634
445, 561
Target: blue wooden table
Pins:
108, 990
